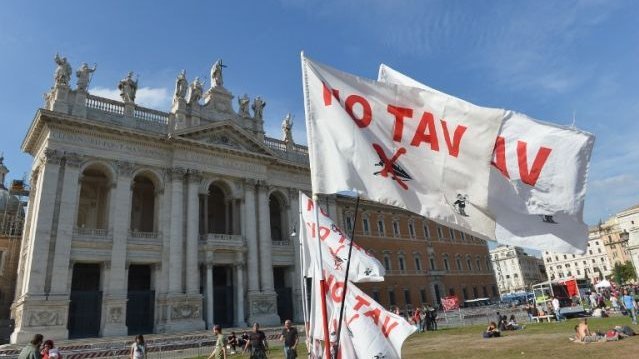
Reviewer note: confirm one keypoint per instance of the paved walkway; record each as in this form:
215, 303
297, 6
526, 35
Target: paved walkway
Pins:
172, 345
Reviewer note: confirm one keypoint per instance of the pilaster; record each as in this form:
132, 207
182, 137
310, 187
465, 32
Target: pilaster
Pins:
249, 225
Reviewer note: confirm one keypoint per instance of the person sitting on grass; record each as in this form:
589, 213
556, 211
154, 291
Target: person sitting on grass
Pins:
583, 334
513, 325
492, 331
233, 342
503, 323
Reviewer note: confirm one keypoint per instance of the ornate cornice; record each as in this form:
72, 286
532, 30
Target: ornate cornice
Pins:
52, 156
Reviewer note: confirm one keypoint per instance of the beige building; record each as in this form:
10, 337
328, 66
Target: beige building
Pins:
594, 264
515, 270
12, 203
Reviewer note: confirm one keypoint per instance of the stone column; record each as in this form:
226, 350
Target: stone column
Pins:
293, 215
209, 295
33, 311
177, 234
192, 236
66, 222
265, 242
263, 305
115, 290
239, 294
250, 235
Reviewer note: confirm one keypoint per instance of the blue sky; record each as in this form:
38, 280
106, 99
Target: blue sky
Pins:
548, 59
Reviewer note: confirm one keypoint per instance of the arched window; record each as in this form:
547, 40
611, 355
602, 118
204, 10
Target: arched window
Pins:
446, 264
216, 211
489, 265
387, 263
452, 233
418, 263
402, 263
478, 263
469, 264
380, 226
426, 231
431, 259
411, 229
93, 206
348, 221
458, 262
277, 211
366, 225
396, 231
143, 209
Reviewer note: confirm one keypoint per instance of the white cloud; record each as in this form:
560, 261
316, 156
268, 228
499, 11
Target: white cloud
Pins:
155, 98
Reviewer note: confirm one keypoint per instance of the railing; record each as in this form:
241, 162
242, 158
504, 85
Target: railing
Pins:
147, 114
281, 243
221, 237
93, 232
143, 235
105, 104
297, 153
405, 272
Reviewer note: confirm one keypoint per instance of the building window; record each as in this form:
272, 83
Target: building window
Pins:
349, 223
387, 264
446, 264
380, 227
391, 297
426, 231
489, 266
366, 226
418, 263
599, 250
411, 230
440, 234
432, 263
422, 295
578, 272
452, 233
590, 251
478, 263
458, 262
396, 228
376, 295
407, 296
469, 264
402, 266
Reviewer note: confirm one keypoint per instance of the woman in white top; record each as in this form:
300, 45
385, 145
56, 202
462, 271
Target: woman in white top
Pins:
138, 348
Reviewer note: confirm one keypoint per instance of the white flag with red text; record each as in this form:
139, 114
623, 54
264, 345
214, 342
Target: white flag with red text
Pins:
402, 146
368, 330
538, 180
364, 267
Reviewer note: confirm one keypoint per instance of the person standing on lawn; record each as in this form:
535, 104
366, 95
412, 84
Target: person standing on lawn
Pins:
290, 338
629, 304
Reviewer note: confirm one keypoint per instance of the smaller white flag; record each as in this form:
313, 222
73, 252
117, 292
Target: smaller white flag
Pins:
368, 330
537, 182
335, 242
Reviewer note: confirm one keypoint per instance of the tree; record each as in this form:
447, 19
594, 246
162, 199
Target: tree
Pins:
624, 272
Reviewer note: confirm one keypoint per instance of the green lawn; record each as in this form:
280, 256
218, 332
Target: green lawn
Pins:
538, 340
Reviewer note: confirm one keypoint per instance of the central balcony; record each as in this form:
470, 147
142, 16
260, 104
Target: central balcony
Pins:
222, 241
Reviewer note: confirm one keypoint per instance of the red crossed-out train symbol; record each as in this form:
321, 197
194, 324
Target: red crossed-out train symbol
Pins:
391, 167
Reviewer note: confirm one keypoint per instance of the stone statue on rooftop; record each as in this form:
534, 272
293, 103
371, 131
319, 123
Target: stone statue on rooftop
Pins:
128, 87
84, 76
216, 74
181, 85
244, 102
287, 128
195, 91
258, 108
63, 71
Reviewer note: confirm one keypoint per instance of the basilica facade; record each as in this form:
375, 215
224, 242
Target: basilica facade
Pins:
147, 221
144, 221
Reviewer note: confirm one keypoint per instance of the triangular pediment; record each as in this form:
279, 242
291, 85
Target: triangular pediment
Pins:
225, 134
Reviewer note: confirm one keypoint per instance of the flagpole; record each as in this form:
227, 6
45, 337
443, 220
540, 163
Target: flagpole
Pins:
348, 266
323, 289
303, 279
